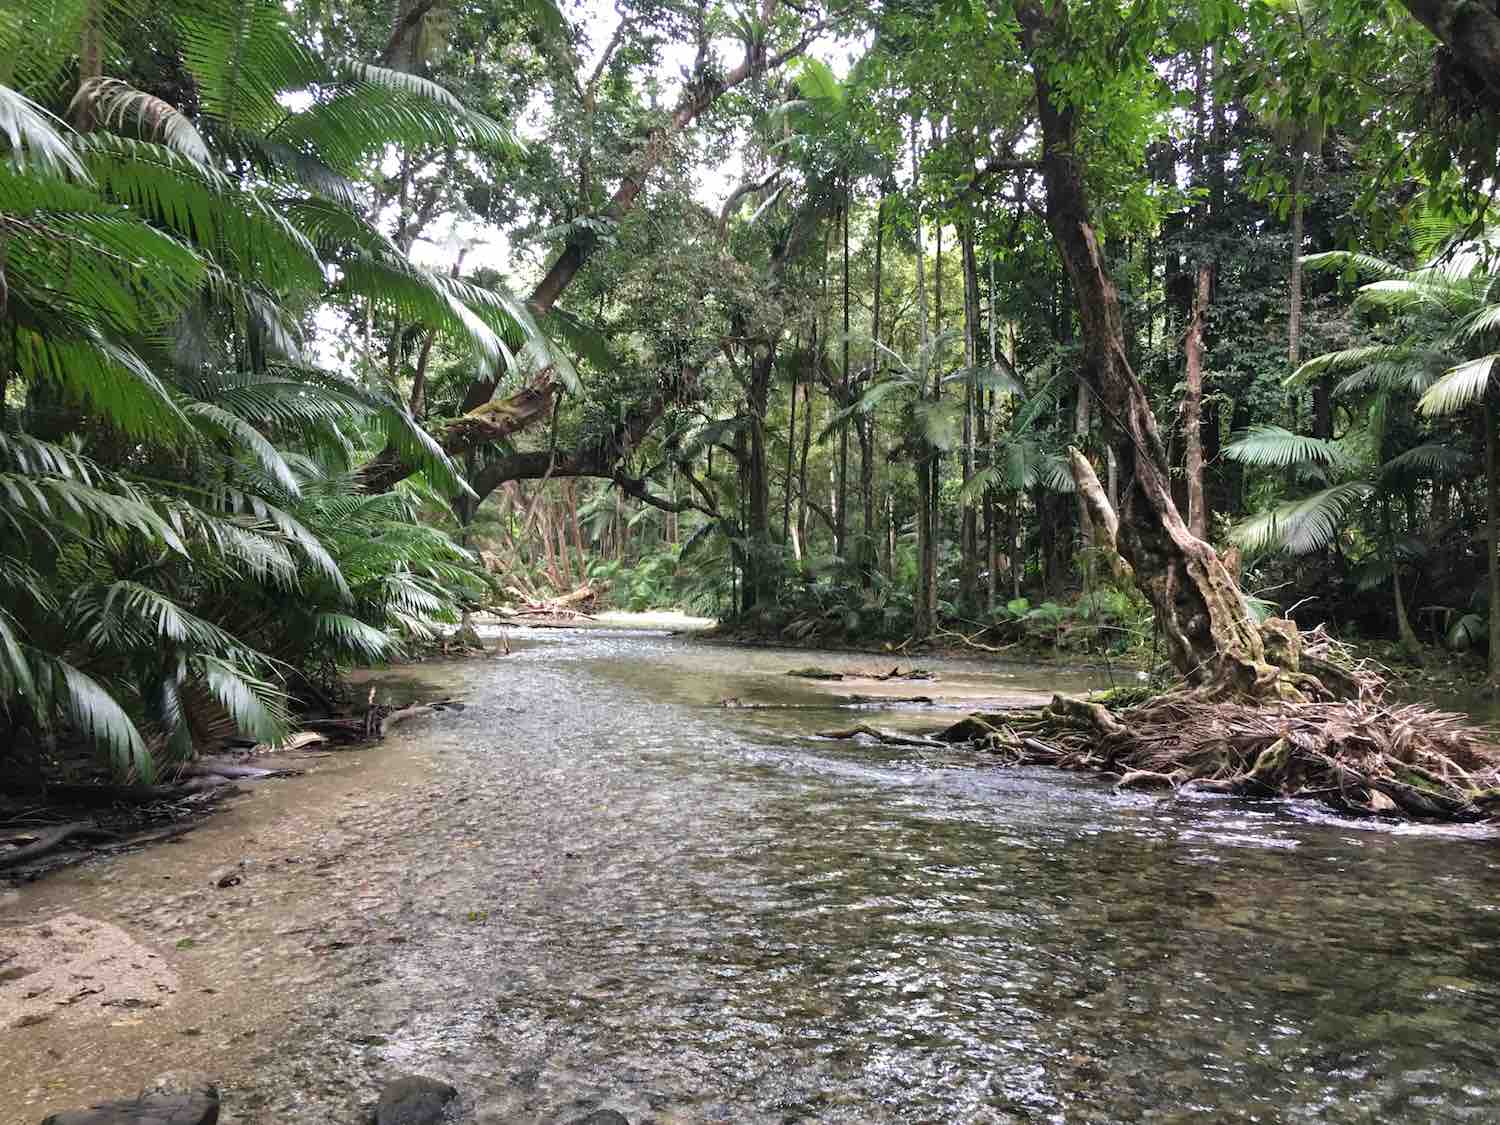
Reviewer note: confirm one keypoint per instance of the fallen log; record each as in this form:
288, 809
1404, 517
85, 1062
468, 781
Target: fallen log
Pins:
888, 738
212, 767
51, 840
54, 838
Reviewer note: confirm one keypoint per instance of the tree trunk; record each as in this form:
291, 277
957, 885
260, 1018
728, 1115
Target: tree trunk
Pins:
1209, 633
760, 572
969, 527
1082, 422
1471, 31
1192, 406
1492, 518
923, 606
90, 64
807, 402
791, 446
841, 516
1294, 295
865, 423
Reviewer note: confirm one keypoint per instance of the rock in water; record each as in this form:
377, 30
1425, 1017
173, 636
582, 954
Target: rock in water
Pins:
414, 1100
603, 1117
193, 1107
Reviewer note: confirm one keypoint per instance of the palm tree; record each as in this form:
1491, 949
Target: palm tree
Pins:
180, 547
929, 425
1446, 319
1439, 320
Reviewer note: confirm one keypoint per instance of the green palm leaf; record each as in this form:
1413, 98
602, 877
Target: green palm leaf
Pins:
1461, 386
96, 715
1273, 446
114, 103
1305, 525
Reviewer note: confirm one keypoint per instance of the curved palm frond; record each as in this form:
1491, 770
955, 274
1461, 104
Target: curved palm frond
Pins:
1430, 459
1304, 525
113, 103
1345, 261
1273, 446
37, 140
1460, 386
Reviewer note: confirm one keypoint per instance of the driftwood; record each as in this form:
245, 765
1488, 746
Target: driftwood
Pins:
51, 839
813, 672
882, 736
216, 767
575, 603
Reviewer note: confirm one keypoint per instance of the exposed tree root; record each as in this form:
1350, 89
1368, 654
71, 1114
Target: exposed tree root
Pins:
1359, 757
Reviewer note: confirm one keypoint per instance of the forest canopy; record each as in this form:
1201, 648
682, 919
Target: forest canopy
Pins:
1117, 326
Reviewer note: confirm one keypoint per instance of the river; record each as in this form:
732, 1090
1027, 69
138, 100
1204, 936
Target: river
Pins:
599, 886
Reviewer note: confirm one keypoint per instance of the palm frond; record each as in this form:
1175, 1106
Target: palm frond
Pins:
96, 715
1273, 446
242, 434
352, 636
114, 103
1459, 387
1345, 261
1430, 459
254, 704
37, 140
1304, 525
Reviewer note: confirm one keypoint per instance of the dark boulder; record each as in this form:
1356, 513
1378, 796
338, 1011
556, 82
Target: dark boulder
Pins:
190, 1107
603, 1117
414, 1100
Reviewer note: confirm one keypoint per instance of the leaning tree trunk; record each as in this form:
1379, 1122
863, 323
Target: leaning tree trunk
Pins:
1209, 633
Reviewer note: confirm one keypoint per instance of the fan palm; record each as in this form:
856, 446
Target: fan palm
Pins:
1445, 320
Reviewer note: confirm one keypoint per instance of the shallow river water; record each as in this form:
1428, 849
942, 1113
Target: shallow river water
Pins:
599, 886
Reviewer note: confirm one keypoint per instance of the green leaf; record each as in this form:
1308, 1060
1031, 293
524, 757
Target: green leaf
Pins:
1272, 447
1301, 526
1462, 386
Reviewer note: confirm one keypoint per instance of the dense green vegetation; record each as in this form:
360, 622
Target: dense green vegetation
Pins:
819, 301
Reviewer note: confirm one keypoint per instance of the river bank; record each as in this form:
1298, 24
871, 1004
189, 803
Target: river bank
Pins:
600, 886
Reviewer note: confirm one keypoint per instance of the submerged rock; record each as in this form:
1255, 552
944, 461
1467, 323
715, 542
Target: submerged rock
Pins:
603, 1117
414, 1100
189, 1107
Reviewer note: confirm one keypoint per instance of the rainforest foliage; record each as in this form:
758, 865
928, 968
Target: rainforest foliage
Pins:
312, 313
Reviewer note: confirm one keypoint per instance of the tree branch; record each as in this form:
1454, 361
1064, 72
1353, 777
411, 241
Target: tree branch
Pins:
636, 487
403, 26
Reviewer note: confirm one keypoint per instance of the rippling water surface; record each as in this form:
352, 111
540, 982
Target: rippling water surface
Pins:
620, 892
754, 921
